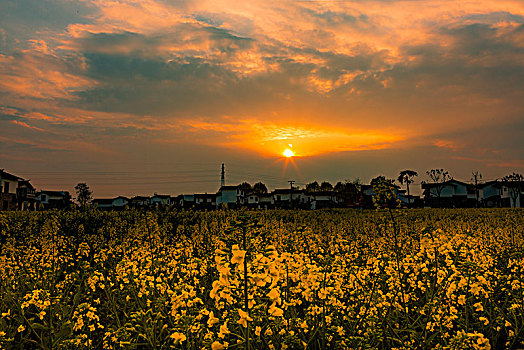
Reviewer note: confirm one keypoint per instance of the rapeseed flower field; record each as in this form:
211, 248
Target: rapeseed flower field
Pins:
333, 279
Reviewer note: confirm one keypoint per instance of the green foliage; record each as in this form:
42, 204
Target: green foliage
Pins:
83, 195
384, 193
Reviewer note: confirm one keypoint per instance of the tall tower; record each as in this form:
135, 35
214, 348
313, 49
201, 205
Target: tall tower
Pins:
223, 176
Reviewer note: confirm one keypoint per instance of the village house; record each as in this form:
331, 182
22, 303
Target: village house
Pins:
286, 198
366, 194
492, 194
46, 199
8, 187
103, 203
366, 197
232, 196
502, 194
323, 199
161, 199
120, 202
252, 200
205, 201
26, 195
139, 202
513, 192
409, 201
185, 201
117, 203
449, 194
265, 201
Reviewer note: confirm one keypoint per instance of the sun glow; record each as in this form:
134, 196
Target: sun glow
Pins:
288, 153
292, 141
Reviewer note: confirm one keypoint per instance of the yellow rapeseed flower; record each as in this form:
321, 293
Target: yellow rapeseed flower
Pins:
218, 346
212, 319
244, 318
223, 330
178, 337
238, 255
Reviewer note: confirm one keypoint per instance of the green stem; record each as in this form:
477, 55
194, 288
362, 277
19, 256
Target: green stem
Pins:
246, 300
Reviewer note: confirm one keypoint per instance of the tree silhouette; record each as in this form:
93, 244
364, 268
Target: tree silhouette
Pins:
83, 195
378, 179
406, 177
514, 183
476, 177
439, 178
313, 187
348, 191
326, 186
259, 188
246, 187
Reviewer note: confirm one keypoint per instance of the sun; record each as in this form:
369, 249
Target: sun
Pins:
288, 153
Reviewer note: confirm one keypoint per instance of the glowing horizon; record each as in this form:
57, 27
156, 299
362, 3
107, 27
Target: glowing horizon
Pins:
288, 153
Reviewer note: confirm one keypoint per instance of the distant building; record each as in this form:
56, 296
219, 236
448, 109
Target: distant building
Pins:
492, 193
265, 201
103, 203
286, 198
366, 196
161, 199
26, 195
409, 201
502, 194
140, 202
323, 199
205, 201
251, 200
232, 196
117, 203
53, 199
120, 202
513, 192
8, 188
449, 194
185, 201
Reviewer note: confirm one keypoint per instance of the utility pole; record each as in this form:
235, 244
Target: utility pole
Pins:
291, 182
477, 176
223, 176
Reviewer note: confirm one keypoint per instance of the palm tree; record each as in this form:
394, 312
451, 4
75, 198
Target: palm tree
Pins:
406, 177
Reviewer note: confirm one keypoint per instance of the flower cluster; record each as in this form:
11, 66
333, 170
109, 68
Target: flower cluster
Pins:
453, 279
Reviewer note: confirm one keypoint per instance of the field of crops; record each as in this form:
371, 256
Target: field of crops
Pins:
435, 279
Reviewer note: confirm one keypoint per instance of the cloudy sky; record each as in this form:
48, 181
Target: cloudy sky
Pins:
143, 96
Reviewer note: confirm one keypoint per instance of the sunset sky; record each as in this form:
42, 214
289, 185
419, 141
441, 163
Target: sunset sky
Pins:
135, 97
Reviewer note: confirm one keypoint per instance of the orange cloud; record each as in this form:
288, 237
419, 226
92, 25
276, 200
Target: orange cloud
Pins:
445, 144
25, 125
37, 75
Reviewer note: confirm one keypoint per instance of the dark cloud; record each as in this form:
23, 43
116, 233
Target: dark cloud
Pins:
22, 20
190, 38
494, 17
